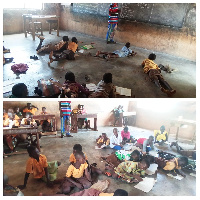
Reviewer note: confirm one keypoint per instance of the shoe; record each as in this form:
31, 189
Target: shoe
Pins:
62, 136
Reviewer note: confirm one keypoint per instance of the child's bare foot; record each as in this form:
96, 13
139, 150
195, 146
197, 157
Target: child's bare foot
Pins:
98, 53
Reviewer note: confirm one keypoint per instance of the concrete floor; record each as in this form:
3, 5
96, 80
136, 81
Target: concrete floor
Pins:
127, 72
56, 148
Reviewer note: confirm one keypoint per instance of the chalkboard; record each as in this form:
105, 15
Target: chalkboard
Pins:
92, 8
170, 14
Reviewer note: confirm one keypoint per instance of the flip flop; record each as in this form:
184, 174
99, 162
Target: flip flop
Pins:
108, 174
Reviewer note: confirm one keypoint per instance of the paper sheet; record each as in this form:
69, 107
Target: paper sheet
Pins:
192, 174
153, 153
152, 169
91, 86
81, 51
178, 177
123, 91
146, 185
127, 146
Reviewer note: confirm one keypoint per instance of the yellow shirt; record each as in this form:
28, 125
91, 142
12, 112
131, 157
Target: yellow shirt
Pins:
100, 140
37, 168
149, 64
172, 164
72, 46
106, 194
72, 158
76, 173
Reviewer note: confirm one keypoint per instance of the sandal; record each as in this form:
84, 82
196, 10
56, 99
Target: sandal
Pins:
108, 174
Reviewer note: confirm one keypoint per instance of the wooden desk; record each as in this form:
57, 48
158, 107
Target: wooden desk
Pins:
22, 130
33, 18
46, 117
129, 118
75, 117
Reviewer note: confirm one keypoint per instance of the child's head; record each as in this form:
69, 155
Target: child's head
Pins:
20, 90
65, 38
128, 44
151, 139
107, 78
104, 135
69, 76
126, 129
135, 155
80, 157
43, 109
162, 128
74, 40
182, 161
120, 192
115, 131
33, 152
152, 56
77, 147
144, 164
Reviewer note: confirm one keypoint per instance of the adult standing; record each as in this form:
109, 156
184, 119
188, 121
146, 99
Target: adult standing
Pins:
112, 22
65, 113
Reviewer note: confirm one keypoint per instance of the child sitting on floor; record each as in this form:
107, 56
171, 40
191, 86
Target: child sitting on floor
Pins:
154, 73
77, 147
76, 89
77, 175
173, 165
105, 88
38, 166
103, 141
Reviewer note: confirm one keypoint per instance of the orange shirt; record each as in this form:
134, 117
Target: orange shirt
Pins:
72, 46
37, 168
148, 65
76, 173
72, 158
32, 110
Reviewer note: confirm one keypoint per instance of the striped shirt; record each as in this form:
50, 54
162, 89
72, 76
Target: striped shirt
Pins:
65, 107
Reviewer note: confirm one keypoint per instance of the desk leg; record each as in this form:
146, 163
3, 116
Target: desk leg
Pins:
38, 141
58, 26
95, 124
33, 30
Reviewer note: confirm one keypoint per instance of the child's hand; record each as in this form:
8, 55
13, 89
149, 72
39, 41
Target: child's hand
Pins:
21, 187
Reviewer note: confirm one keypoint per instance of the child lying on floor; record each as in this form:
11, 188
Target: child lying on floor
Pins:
59, 47
124, 52
173, 165
38, 166
154, 73
130, 171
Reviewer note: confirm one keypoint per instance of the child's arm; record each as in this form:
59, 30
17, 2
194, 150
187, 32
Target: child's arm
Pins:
21, 187
88, 175
180, 173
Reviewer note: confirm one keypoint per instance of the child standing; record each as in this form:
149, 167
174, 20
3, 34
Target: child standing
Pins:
154, 73
38, 166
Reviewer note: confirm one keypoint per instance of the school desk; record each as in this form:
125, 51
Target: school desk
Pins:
28, 22
46, 117
74, 120
22, 130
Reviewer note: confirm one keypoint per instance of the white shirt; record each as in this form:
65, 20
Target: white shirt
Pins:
116, 140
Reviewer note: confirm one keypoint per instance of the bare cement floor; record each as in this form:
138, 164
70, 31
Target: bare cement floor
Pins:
127, 72
56, 148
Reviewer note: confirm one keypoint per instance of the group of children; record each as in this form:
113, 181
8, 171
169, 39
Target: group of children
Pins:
105, 88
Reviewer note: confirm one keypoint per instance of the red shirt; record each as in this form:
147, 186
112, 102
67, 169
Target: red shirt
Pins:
141, 140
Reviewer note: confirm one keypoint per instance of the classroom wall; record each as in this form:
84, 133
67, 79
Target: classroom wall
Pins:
142, 29
152, 36
146, 119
